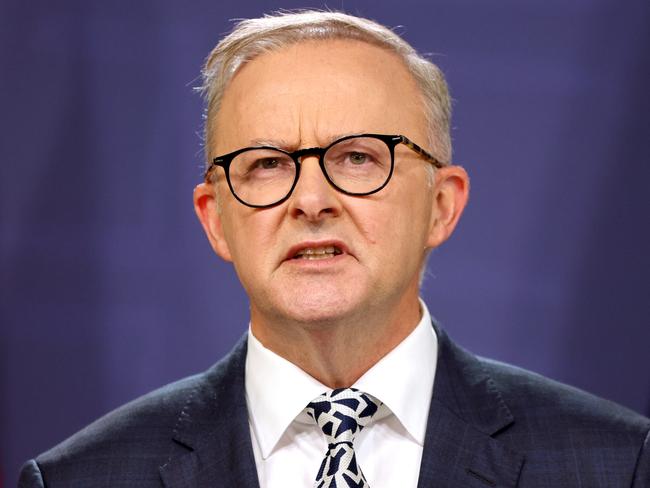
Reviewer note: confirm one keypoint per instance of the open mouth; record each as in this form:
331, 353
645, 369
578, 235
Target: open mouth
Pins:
313, 253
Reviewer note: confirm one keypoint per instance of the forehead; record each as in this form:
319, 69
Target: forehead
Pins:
313, 91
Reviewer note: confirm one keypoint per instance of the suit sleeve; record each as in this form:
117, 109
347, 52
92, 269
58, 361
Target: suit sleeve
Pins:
30, 476
642, 471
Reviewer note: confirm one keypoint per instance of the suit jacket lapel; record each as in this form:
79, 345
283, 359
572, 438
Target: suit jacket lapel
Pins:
213, 429
460, 448
465, 414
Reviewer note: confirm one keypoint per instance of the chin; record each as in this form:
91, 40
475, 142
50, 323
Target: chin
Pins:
319, 308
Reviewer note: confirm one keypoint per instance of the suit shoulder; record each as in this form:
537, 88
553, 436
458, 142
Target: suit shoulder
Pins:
531, 395
128, 446
146, 421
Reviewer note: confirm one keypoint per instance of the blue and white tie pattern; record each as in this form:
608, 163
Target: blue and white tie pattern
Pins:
341, 415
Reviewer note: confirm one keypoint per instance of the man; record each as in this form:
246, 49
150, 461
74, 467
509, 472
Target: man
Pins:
328, 182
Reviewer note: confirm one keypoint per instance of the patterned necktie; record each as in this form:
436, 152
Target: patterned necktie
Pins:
341, 415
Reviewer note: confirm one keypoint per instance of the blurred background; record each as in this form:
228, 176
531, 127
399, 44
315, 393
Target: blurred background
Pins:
108, 288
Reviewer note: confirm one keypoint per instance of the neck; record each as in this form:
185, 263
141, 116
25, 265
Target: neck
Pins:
338, 352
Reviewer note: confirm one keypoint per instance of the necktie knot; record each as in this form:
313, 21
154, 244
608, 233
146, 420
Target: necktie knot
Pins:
341, 414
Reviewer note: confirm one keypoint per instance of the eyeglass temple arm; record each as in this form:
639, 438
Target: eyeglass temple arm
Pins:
218, 161
208, 172
426, 155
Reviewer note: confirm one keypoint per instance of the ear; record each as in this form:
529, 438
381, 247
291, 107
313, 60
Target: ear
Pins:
209, 214
450, 195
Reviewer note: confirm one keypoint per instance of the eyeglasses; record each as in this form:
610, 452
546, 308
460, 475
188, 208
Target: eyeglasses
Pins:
357, 165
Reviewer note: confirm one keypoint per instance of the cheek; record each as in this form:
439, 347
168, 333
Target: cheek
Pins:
398, 228
391, 232
252, 237
371, 229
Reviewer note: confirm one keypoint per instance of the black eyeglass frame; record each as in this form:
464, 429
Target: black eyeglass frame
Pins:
390, 140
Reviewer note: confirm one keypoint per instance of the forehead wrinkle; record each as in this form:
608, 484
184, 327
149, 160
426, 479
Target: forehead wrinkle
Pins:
274, 135
319, 137
325, 137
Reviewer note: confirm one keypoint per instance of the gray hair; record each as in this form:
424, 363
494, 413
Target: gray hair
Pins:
253, 37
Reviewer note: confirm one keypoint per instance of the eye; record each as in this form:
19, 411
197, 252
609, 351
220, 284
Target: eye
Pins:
357, 154
267, 163
358, 158
268, 166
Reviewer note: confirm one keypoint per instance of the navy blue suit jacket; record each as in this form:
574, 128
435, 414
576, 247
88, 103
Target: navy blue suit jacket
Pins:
490, 425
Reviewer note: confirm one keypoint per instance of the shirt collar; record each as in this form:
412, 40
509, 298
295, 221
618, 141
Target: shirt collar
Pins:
403, 378
277, 391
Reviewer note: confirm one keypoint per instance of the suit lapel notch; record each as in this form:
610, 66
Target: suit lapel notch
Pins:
458, 454
467, 412
212, 431
465, 388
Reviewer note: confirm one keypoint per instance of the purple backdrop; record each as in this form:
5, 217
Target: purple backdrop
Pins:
109, 289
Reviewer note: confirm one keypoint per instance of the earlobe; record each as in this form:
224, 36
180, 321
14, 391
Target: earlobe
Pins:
451, 192
207, 210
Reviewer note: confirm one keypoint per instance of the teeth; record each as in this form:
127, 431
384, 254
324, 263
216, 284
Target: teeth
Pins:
317, 252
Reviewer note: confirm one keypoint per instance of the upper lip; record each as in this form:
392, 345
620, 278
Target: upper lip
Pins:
294, 250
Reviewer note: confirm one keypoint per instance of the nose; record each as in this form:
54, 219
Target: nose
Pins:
313, 198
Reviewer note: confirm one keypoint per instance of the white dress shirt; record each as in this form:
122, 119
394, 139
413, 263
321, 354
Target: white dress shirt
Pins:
289, 447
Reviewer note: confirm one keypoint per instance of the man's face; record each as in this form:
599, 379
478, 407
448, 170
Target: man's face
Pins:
307, 95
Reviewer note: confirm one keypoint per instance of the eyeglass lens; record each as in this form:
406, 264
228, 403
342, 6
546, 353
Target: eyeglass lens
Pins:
356, 165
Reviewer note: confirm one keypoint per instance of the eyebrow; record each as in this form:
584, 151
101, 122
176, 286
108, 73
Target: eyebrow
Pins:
285, 145
279, 143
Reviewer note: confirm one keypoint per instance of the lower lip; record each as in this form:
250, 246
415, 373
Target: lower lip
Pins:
319, 263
